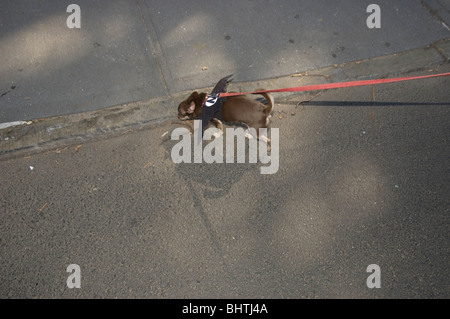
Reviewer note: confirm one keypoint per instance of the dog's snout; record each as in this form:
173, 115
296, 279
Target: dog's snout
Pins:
183, 117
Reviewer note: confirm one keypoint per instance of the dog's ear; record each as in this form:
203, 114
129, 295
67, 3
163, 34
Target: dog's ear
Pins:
192, 101
193, 97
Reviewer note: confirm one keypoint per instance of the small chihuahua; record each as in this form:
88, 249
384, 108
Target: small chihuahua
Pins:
235, 109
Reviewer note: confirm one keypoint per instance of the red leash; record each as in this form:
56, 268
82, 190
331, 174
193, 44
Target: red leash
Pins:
328, 86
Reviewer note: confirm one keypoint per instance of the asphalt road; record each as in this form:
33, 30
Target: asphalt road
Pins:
363, 179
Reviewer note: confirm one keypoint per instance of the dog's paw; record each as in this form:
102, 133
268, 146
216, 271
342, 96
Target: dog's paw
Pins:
248, 135
266, 140
218, 133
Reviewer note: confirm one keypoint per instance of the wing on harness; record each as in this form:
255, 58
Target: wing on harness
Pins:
212, 106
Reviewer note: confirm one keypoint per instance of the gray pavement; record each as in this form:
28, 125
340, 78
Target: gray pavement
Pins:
362, 179
129, 51
88, 179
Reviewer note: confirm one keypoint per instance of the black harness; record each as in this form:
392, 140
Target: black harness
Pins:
212, 106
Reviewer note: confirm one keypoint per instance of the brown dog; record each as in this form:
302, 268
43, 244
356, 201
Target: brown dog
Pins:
235, 109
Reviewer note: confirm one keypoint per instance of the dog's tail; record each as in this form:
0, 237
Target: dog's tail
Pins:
270, 102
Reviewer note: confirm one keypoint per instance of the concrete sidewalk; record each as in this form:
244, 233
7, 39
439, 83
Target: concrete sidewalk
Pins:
129, 51
51, 132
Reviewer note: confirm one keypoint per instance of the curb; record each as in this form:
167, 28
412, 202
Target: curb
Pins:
438, 10
44, 133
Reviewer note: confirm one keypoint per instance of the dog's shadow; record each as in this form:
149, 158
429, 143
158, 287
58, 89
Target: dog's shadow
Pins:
215, 179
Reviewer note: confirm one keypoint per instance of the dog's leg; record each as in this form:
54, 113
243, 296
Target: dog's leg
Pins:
268, 119
264, 139
267, 141
218, 124
249, 134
